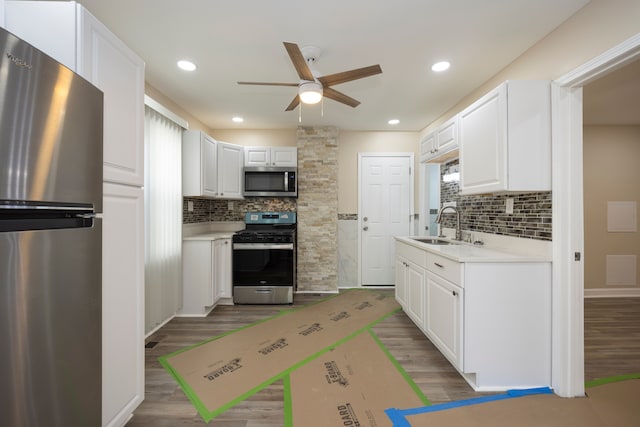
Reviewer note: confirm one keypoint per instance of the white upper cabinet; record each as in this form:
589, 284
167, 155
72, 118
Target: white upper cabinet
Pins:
427, 147
87, 47
270, 156
505, 140
230, 160
210, 168
199, 164
441, 145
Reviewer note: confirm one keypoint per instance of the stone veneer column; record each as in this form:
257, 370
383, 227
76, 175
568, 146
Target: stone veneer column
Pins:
317, 209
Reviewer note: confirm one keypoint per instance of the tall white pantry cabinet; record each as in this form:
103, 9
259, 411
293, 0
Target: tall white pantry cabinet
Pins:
70, 34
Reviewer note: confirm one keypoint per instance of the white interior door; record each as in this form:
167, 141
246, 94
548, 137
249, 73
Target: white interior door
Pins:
385, 210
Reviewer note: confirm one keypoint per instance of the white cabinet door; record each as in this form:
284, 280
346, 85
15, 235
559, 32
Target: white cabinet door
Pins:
415, 283
257, 156
483, 133
208, 167
401, 286
116, 70
122, 302
446, 136
444, 302
199, 165
222, 257
230, 161
427, 147
284, 156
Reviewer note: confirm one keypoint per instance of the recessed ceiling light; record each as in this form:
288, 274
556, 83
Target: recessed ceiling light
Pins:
238, 119
186, 65
438, 67
393, 121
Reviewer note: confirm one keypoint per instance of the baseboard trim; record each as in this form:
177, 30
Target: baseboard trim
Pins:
612, 293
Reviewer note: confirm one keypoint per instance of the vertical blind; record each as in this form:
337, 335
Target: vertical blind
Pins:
163, 218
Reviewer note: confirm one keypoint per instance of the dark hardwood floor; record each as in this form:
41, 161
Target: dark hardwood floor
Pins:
612, 347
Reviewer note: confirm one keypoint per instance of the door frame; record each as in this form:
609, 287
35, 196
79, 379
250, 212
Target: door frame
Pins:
568, 230
410, 156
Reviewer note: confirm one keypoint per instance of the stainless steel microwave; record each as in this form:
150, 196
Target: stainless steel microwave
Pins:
271, 181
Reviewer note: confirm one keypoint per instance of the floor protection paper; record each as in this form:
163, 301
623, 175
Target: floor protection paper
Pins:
218, 373
351, 385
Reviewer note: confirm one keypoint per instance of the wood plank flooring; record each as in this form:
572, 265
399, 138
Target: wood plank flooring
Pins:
612, 347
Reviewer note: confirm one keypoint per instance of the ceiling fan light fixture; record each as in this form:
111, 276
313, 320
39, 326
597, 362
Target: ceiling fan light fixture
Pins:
310, 92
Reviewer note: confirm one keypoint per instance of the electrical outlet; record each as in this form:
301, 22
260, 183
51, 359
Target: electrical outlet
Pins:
230, 205
508, 204
190, 206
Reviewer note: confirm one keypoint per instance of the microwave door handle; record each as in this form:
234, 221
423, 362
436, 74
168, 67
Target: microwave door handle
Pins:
286, 181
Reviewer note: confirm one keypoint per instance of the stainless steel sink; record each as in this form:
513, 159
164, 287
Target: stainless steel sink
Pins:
432, 241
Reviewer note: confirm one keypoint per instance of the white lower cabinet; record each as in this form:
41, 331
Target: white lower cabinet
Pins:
413, 285
444, 307
401, 285
206, 275
491, 320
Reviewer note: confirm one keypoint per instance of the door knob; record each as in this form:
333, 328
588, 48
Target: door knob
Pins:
365, 219
365, 228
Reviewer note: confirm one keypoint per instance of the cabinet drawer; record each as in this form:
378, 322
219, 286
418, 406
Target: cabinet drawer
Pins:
444, 267
411, 253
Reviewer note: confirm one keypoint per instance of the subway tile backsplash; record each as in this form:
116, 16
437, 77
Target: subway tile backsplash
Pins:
531, 216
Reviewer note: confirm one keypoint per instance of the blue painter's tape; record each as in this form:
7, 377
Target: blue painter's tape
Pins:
398, 416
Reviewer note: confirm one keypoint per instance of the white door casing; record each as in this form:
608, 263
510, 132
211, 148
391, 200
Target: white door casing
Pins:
385, 209
568, 230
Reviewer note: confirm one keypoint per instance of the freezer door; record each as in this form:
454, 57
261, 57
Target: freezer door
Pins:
50, 327
50, 129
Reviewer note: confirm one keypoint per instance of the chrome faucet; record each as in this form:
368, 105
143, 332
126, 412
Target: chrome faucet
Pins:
458, 230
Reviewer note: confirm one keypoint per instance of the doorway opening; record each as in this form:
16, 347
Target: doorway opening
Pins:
568, 215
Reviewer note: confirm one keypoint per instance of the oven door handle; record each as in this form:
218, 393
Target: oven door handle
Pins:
263, 246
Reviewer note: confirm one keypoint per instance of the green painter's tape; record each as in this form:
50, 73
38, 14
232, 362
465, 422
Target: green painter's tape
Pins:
400, 369
615, 379
288, 410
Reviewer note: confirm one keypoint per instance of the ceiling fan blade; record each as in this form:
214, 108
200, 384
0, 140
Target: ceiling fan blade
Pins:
294, 103
347, 76
268, 84
299, 62
340, 97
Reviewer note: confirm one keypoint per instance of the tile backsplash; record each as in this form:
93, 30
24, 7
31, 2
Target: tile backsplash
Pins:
205, 210
531, 216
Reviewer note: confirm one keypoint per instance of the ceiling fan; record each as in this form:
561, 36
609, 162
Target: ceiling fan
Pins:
312, 86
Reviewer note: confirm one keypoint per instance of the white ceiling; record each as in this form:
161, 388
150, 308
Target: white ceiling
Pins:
241, 40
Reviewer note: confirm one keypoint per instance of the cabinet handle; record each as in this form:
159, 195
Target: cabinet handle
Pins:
438, 265
455, 293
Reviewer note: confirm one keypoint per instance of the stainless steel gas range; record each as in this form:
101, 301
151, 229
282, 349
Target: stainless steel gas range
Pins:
264, 259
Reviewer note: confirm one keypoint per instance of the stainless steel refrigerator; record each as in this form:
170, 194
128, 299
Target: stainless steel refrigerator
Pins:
50, 241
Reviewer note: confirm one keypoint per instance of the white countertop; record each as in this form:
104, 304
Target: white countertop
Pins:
211, 230
210, 236
466, 252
